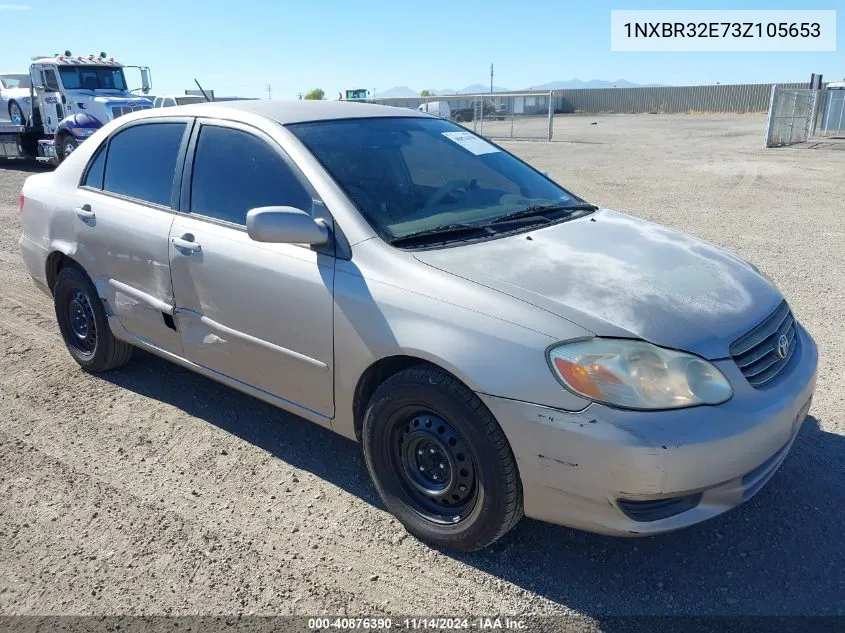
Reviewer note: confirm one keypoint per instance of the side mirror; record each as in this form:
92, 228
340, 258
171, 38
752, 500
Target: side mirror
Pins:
145, 80
285, 225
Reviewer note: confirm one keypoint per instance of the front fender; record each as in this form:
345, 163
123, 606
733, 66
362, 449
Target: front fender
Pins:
80, 126
493, 343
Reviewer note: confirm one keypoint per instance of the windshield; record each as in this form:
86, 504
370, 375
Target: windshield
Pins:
92, 78
15, 81
408, 175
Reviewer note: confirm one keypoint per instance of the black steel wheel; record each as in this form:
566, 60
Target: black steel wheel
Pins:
440, 461
83, 323
434, 464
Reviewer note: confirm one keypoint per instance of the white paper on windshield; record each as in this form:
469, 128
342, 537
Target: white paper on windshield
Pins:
471, 143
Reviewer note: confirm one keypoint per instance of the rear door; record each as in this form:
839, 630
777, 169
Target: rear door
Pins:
256, 312
122, 218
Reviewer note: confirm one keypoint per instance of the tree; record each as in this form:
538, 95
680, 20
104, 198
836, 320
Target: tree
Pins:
315, 95
426, 93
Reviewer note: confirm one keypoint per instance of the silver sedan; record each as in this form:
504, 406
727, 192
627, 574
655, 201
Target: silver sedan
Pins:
497, 344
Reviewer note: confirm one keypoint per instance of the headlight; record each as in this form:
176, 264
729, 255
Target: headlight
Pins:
637, 375
81, 131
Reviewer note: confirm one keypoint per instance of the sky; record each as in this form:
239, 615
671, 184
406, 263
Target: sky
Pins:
238, 48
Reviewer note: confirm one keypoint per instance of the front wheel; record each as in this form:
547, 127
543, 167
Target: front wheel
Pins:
440, 461
67, 145
83, 323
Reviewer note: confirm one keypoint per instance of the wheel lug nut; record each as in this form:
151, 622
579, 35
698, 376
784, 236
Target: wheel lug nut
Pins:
442, 466
419, 452
431, 450
422, 467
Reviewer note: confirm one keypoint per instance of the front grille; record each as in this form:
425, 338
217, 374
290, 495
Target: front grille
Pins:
656, 509
121, 110
757, 353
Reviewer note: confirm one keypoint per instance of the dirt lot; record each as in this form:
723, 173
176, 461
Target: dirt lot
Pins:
153, 490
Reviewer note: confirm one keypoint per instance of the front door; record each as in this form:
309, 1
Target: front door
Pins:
122, 215
48, 92
256, 312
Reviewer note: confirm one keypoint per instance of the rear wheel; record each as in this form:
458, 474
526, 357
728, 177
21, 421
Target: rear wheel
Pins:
83, 323
440, 461
16, 114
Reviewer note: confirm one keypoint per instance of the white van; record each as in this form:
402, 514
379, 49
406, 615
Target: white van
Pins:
437, 108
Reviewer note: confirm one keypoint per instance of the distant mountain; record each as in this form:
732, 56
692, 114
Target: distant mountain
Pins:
398, 91
593, 83
478, 88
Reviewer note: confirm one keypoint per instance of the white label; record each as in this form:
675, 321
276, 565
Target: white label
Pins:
723, 30
471, 143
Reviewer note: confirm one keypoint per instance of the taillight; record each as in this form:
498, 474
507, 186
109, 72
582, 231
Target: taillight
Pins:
21, 201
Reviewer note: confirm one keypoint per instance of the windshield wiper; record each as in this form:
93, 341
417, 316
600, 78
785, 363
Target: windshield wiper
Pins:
540, 209
446, 231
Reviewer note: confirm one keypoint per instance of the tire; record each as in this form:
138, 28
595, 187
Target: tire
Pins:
67, 145
83, 323
440, 461
16, 115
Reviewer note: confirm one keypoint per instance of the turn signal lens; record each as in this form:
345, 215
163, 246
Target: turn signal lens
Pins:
637, 375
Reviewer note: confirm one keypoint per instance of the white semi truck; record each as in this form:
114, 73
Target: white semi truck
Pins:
71, 97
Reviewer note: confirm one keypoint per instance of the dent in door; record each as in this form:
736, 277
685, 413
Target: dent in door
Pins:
259, 313
130, 266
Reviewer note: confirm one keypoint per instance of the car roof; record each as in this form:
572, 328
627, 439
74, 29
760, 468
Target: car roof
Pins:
286, 112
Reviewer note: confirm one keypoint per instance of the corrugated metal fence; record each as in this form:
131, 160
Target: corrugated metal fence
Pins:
670, 100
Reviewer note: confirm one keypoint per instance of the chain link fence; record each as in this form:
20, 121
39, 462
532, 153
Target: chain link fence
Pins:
799, 115
526, 115
831, 119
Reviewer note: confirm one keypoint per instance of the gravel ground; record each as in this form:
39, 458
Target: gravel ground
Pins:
155, 491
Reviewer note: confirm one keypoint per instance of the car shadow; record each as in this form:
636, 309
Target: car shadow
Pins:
782, 553
24, 166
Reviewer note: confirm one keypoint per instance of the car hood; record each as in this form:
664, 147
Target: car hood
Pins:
617, 275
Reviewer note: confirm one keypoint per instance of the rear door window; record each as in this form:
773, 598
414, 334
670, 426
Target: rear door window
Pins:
96, 169
235, 171
141, 161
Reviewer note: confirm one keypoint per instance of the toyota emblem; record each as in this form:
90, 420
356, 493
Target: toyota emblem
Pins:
783, 346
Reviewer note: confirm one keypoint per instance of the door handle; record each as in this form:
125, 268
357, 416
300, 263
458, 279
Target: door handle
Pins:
186, 242
85, 213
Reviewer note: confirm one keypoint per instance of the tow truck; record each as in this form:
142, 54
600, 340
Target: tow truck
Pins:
71, 97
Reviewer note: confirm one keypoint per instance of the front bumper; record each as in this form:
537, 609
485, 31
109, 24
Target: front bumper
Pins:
576, 467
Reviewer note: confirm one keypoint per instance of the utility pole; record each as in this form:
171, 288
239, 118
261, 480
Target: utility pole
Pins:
269, 92
491, 78
300, 96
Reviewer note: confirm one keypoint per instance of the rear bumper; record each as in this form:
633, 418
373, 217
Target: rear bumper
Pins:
35, 259
637, 473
